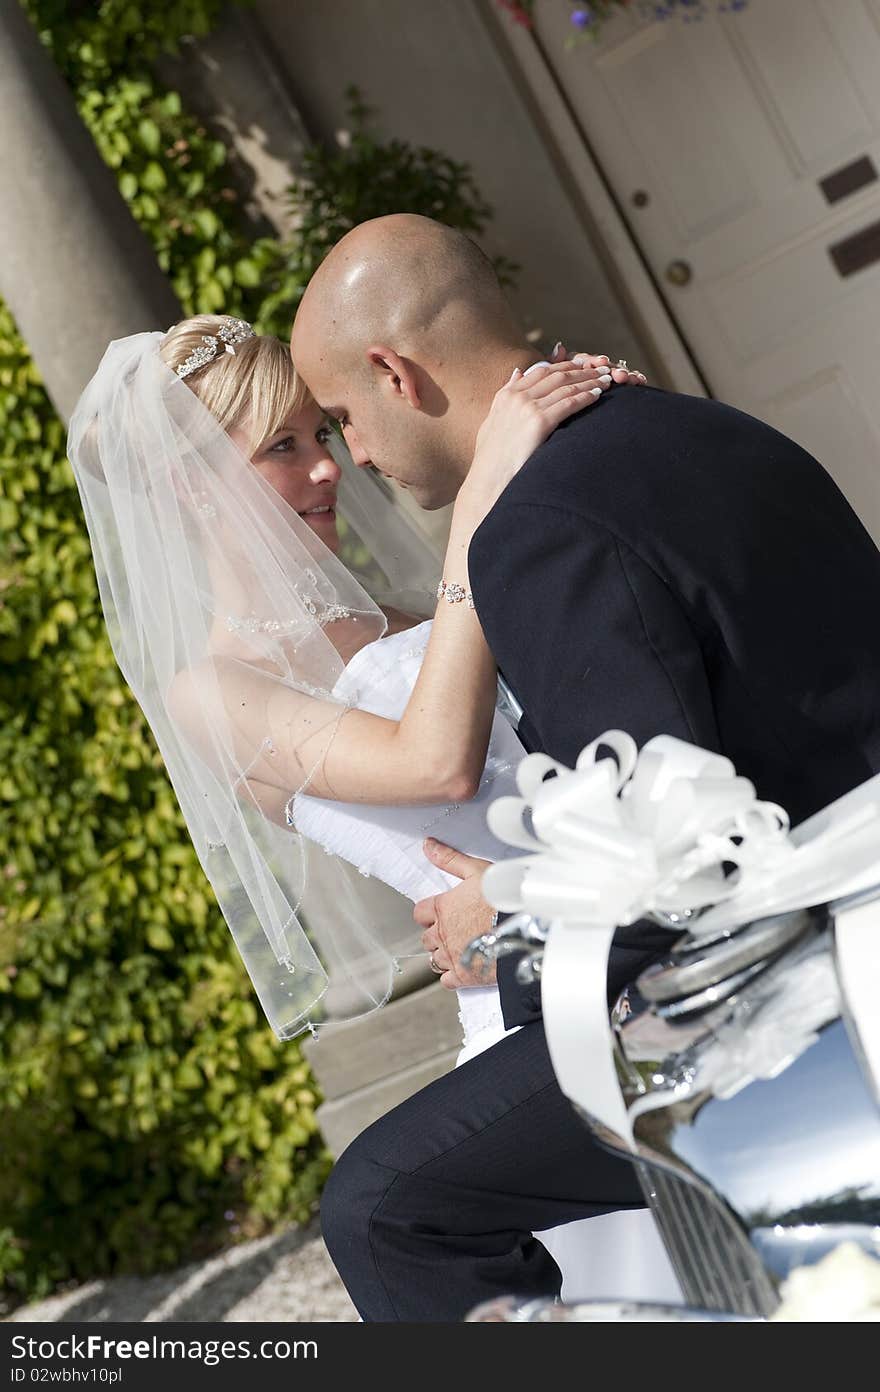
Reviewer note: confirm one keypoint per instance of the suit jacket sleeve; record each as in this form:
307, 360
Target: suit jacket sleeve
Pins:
590, 639
519, 1004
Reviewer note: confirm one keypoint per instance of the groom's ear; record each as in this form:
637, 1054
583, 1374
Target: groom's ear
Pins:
399, 373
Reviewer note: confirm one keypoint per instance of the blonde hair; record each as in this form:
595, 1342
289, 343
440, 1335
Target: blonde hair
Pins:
256, 390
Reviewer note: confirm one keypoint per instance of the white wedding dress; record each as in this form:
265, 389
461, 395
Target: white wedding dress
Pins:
618, 1254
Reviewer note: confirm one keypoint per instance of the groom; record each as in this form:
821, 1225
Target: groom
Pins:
662, 564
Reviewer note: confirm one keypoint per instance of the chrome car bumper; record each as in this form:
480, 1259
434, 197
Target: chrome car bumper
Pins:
756, 1127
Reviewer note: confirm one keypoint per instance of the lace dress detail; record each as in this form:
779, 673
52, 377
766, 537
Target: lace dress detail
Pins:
385, 841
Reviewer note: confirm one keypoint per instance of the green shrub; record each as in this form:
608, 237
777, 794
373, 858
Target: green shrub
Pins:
147, 1112
93, 42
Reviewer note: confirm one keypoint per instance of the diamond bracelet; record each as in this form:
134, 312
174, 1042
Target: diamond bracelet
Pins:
455, 594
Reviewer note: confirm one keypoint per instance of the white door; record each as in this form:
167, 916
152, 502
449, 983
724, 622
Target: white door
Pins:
744, 152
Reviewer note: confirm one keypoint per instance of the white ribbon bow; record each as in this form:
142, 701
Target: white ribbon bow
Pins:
670, 829
624, 836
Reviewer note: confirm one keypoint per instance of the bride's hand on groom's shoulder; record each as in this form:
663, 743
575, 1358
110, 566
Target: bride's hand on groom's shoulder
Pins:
619, 371
523, 414
452, 920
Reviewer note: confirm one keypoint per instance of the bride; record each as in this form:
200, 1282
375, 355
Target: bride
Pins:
315, 725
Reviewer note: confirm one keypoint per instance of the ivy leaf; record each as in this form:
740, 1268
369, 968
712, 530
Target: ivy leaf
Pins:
27, 985
128, 185
211, 297
153, 178
207, 223
247, 272
159, 938
150, 136
65, 612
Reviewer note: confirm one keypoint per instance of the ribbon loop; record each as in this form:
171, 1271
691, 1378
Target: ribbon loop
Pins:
622, 746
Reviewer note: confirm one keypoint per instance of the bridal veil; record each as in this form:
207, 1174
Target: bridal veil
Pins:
202, 567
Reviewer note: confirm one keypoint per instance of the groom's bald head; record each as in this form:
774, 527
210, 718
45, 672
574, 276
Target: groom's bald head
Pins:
403, 277
401, 331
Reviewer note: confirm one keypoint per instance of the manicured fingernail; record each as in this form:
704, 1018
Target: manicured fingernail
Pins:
557, 349
603, 357
606, 378
513, 376
596, 391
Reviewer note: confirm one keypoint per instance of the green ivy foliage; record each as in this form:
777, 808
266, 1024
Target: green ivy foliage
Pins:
175, 178
92, 42
147, 1112
142, 1096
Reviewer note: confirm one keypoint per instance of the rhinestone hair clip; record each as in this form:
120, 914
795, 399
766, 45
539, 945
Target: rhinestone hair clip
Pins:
231, 332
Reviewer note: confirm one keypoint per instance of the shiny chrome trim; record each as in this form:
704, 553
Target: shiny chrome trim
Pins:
710, 966
519, 933
857, 964
713, 995
711, 1255
506, 1310
756, 1133
852, 901
529, 970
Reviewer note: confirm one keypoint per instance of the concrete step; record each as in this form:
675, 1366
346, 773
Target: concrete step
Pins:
357, 1053
346, 1117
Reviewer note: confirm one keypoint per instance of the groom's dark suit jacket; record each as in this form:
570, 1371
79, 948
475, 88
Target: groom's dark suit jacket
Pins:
667, 564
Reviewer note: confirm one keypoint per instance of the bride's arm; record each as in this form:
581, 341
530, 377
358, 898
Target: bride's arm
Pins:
435, 753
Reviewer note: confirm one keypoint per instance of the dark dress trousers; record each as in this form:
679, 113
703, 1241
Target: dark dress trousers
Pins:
662, 564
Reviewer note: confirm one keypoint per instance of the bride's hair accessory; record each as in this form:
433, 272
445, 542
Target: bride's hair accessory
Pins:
227, 614
455, 594
230, 333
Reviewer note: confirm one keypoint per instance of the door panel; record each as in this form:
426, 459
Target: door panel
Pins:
716, 138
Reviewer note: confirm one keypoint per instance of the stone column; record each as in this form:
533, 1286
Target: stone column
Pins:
365, 1067
75, 269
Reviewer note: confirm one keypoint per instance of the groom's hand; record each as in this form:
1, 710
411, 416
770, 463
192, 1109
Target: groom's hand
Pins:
454, 919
